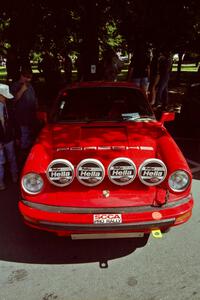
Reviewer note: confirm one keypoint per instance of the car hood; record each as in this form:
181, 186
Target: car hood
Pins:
105, 142
137, 141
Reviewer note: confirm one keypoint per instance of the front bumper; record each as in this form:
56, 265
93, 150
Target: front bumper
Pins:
69, 220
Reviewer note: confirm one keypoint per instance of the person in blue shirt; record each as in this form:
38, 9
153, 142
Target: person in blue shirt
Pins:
25, 107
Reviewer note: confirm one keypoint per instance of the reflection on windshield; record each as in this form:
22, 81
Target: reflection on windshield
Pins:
102, 104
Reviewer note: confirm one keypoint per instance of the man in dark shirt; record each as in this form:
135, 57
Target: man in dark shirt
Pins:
25, 107
7, 136
139, 69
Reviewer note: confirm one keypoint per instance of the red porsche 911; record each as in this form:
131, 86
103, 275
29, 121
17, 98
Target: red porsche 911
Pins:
104, 167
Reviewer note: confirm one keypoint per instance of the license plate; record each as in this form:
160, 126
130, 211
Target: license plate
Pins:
107, 218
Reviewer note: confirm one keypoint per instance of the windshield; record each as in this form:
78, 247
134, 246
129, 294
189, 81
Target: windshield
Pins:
102, 104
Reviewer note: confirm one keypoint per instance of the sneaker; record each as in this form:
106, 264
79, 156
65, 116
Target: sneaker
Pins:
2, 186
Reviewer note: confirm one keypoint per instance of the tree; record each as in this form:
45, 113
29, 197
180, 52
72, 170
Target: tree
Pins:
83, 25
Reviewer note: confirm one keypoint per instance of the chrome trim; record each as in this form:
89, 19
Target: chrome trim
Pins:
121, 147
106, 227
91, 210
106, 235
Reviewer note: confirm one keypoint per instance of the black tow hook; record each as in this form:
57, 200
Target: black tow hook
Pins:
103, 264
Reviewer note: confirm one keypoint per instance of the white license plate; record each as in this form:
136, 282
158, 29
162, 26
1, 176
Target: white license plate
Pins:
107, 218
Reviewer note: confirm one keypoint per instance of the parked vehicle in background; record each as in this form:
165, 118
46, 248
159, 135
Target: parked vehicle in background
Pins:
176, 57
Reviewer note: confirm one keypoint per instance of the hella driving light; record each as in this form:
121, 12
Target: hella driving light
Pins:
152, 172
122, 171
60, 172
32, 183
179, 181
90, 172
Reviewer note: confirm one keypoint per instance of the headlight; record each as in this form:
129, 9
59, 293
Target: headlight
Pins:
179, 181
32, 183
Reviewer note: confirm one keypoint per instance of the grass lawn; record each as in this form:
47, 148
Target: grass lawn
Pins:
186, 68
122, 76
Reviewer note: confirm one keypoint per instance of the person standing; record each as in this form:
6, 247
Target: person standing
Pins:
164, 68
12, 65
110, 65
139, 68
25, 108
50, 69
154, 77
8, 133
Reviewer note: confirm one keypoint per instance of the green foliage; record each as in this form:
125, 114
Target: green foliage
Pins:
43, 24
112, 36
4, 24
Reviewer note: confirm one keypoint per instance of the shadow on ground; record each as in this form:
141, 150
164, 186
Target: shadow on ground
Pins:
20, 243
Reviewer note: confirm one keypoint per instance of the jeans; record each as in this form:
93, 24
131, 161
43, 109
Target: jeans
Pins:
26, 137
142, 83
162, 91
8, 150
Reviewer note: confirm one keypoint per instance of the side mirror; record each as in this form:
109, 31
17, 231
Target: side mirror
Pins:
42, 117
167, 116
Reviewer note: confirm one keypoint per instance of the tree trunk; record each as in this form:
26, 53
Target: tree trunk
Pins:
178, 76
90, 49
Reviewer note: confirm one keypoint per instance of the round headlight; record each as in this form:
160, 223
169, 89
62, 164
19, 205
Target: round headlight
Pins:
32, 183
179, 181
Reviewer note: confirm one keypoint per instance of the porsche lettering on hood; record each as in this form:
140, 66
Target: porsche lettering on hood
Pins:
147, 148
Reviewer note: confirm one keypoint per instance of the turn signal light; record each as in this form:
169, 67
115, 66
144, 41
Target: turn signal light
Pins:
183, 218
